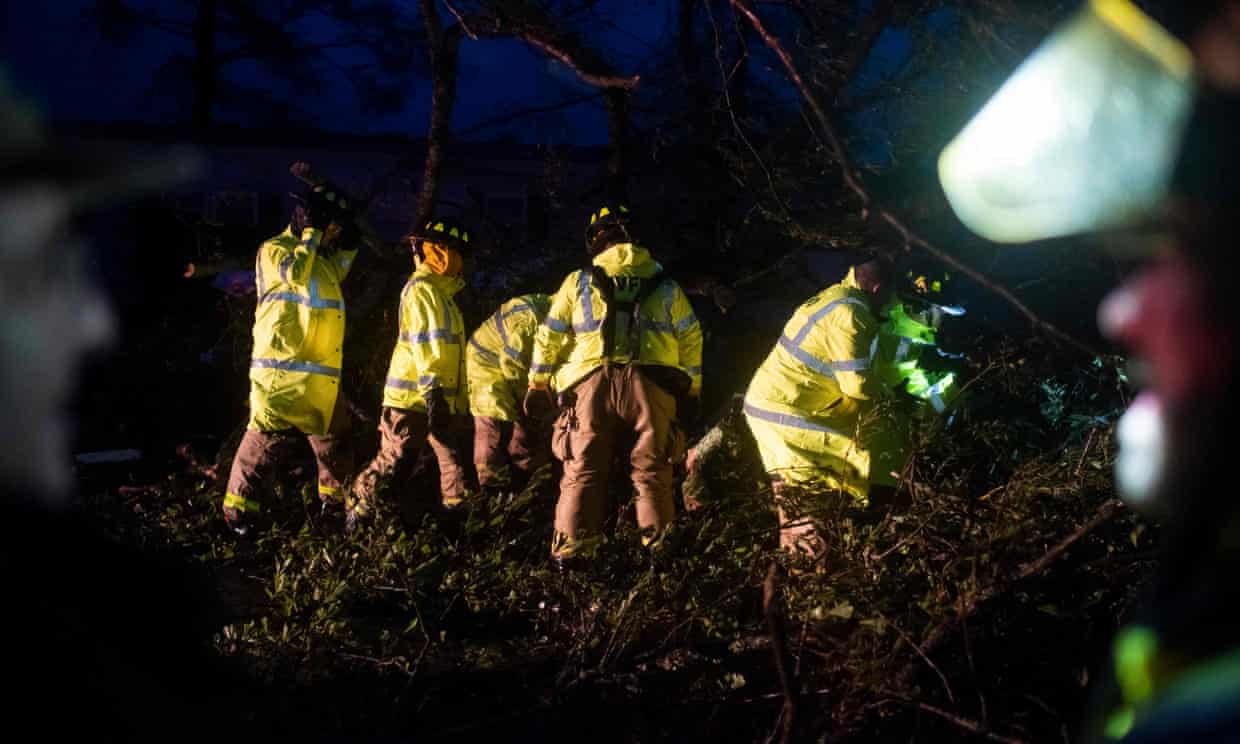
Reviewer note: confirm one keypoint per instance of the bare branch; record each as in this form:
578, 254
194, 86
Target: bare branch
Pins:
726, 80
552, 49
771, 608
837, 147
1104, 513
965, 724
531, 24
853, 181
461, 20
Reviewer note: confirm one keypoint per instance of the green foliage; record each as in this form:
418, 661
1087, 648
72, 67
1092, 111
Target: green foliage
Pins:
425, 596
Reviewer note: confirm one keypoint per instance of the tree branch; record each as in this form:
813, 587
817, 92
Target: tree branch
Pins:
779, 646
549, 47
532, 25
969, 606
871, 211
972, 727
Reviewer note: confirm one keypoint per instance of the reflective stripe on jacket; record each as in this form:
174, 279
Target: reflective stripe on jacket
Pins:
497, 360
814, 385
569, 344
298, 333
428, 352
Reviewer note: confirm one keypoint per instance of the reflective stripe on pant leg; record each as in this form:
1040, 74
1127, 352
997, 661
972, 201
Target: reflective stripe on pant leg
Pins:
583, 488
800, 454
451, 472
253, 469
489, 456
240, 503
333, 452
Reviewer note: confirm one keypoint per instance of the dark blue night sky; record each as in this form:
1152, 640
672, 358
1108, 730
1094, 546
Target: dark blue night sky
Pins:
61, 59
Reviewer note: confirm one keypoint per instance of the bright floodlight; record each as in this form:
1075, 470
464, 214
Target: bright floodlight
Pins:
1083, 135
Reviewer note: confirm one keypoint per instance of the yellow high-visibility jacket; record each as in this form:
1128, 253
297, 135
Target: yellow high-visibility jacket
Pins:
805, 402
569, 344
497, 360
428, 353
298, 333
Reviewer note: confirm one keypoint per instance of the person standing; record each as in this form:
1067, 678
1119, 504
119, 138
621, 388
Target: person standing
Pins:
425, 385
295, 367
622, 347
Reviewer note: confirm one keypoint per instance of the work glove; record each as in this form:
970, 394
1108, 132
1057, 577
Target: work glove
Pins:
438, 415
539, 404
689, 413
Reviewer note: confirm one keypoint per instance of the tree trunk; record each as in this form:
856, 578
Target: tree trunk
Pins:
206, 66
444, 47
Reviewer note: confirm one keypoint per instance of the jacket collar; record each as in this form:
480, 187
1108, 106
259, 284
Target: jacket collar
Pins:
449, 285
627, 259
850, 281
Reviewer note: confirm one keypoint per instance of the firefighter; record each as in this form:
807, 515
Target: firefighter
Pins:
1164, 91
807, 401
497, 363
295, 367
908, 361
623, 349
425, 385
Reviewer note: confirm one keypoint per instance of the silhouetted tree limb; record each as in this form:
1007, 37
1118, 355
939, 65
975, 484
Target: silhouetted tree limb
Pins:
871, 211
772, 610
965, 724
969, 605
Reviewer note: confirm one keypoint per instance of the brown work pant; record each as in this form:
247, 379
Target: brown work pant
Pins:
260, 453
615, 407
499, 443
401, 436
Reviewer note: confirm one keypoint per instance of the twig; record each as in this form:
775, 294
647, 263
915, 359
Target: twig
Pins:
905, 637
972, 727
542, 39
968, 653
1063, 727
1088, 442
905, 540
969, 606
398, 662
868, 210
727, 97
779, 646
461, 20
